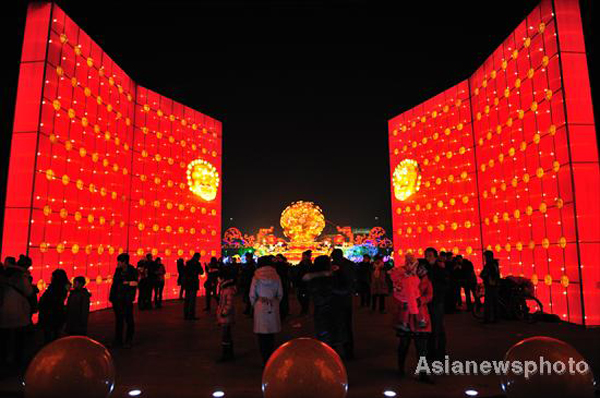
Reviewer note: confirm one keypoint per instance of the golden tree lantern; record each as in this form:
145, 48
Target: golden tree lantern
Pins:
406, 179
203, 179
302, 221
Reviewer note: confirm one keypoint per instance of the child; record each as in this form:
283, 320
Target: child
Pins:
78, 308
406, 291
226, 313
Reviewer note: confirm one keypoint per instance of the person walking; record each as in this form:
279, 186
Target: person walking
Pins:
193, 269
379, 285
491, 282
52, 308
122, 295
265, 294
226, 312
320, 288
344, 286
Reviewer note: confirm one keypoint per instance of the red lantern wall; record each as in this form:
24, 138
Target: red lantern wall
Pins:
98, 164
527, 151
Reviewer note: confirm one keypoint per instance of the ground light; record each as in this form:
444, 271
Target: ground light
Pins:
134, 393
471, 393
389, 393
218, 394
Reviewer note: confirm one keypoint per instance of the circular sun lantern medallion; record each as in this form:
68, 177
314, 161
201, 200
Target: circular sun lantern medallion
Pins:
406, 179
302, 221
203, 179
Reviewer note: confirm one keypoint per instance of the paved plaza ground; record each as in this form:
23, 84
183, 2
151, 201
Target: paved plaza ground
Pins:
176, 358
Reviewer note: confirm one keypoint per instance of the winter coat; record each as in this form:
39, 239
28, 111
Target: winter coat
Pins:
124, 285
302, 269
364, 272
247, 274
491, 274
283, 270
160, 274
15, 310
378, 281
78, 309
193, 269
440, 280
52, 307
320, 286
344, 279
426, 296
212, 275
265, 294
226, 309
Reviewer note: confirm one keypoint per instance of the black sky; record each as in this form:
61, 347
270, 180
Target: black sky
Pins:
304, 88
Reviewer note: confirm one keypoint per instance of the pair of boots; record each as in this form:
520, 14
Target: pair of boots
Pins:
227, 353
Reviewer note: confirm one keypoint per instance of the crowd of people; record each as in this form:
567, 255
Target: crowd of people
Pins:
423, 291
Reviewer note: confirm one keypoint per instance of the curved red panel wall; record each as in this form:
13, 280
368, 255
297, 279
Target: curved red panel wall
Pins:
509, 163
98, 164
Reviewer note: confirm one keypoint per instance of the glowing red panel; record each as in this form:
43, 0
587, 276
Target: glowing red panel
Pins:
533, 169
98, 163
444, 212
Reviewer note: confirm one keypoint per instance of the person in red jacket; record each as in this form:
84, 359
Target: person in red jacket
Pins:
419, 328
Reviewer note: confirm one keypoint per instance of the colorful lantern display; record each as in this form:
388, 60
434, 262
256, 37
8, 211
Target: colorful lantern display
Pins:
302, 221
509, 163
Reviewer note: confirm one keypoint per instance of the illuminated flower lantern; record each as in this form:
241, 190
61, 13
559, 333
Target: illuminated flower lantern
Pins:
302, 221
406, 179
203, 179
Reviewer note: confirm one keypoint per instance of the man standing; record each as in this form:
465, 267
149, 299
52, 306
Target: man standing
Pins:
193, 269
301, 286
468, 279
439, 279
145, 287
122, 296
452, 295
344, 286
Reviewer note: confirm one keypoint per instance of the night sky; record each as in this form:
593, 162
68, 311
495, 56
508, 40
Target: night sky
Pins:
304, 88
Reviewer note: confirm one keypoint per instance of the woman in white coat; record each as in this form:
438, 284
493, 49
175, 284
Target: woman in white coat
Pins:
266, 292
